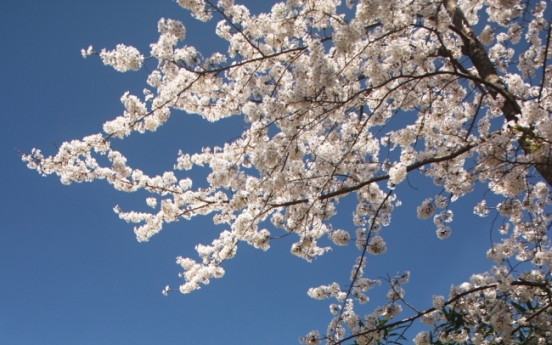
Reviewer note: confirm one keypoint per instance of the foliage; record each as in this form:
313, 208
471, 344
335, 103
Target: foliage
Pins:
319, 90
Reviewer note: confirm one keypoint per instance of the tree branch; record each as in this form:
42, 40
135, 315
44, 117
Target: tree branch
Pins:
409, 168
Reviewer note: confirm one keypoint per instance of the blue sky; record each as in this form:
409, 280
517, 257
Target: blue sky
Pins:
72, 272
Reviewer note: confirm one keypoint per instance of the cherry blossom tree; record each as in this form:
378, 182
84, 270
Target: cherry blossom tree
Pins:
319, 83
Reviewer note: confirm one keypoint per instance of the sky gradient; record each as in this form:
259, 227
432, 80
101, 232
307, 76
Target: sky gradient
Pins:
72, 272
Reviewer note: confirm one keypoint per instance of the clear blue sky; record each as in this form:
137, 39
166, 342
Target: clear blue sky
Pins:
72, 273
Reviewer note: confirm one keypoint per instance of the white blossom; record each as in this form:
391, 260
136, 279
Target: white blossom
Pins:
313, 338
152, 202
422, 338
123, 58
331, 101
397, 174
377, 245
438, 302
443, 231
481, 209
427, 209
340, 237
87, 52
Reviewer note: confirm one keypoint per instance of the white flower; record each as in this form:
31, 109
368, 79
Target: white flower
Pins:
422, 338
502, 37
313, 338
443, 232
481, 209
173, 27
397, 173
152, 202
184, 161
431, 318
486, 37
340, 237
86, 53
123, 58
391, 310
426, 210
377, 246
441, 201
395, 293
404, 277
334, 309
438, 302
318, 293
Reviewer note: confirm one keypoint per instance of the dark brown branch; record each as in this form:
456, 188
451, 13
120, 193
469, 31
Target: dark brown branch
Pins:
409, 168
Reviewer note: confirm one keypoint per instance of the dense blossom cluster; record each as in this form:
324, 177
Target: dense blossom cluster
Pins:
329, 84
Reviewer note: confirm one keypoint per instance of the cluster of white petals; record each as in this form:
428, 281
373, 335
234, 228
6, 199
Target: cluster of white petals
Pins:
87, 52
324, 90
123, 58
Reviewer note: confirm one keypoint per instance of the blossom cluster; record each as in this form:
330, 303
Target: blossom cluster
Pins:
320, 91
